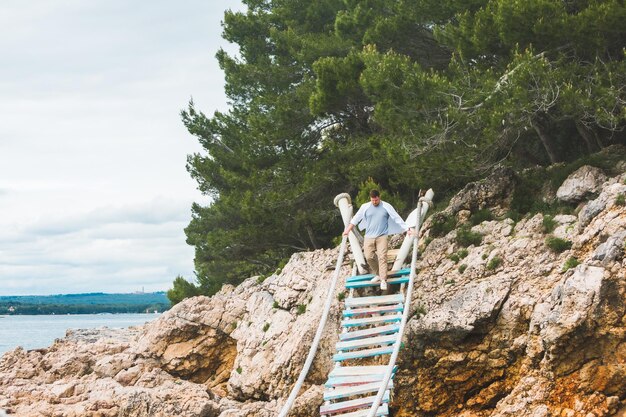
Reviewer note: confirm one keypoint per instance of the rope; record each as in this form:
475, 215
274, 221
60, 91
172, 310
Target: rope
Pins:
318, 335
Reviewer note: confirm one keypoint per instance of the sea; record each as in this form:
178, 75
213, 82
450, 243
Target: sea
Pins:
39, 331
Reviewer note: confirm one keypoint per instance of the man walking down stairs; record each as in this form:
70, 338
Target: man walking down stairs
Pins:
379, 219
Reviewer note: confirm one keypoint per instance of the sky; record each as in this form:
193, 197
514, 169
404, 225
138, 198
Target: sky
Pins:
94, 193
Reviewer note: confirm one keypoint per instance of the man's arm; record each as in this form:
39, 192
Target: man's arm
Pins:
356, 219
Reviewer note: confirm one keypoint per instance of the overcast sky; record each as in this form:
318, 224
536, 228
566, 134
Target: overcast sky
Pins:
94, 195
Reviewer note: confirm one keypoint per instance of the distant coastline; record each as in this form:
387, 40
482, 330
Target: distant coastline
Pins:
87, 303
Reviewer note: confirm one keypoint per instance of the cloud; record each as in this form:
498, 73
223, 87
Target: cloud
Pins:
111, 249
94, 194
155, 212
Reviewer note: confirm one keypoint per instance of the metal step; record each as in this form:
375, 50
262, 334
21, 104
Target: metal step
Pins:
383, 410
351, 405
365, 353
369, 283
367, 277
359, 334
370, 341
374, 300
387, 318
343, 392
339, 381
359, 370
393, 308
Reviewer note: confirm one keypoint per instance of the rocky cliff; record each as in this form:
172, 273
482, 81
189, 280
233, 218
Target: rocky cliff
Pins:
511, 317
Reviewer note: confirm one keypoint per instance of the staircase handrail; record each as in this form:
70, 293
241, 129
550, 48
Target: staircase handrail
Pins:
407, 304
318, 335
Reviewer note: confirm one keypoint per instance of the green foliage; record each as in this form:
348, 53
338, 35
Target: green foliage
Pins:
462, 253
266, 326
620, 200
606, 161
548, 224
558, 245
466, 237
513, 215
301, 309
571, 262
275, 305
462, 268
364, 195
45, 308
420, 311
181, 289
325, 95
341, 296
494, 263
239, 370
442, 224
337, 83
480, 216
454, 257
529, 191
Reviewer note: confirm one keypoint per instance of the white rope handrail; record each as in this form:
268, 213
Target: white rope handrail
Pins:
318, 335
405, 314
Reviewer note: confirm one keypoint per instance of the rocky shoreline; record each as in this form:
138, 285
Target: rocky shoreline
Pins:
502, 327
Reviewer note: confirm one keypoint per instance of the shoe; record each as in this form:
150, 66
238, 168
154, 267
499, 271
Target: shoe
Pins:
375, 279
383, 285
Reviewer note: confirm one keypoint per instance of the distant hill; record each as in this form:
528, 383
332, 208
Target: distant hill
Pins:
88, 303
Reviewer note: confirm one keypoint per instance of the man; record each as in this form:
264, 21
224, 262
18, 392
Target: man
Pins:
379, 219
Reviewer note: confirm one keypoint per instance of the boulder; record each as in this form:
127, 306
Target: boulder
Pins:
611, 249
606, 201
581, 184
571, 304
494, 192
471, 309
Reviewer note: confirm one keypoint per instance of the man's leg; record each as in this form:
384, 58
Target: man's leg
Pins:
381, 251
369, 246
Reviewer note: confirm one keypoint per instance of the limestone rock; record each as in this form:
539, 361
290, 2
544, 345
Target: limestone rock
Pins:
611, 249
284, 335
494, 192
522, 337
68, 389
229, 408
309, 402
580, 184
591, 210
546, 342
606, 202
573, 304
470, 309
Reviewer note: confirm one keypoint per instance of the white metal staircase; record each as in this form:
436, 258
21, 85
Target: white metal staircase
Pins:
372, 326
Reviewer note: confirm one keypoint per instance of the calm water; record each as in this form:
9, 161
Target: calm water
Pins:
33, 332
